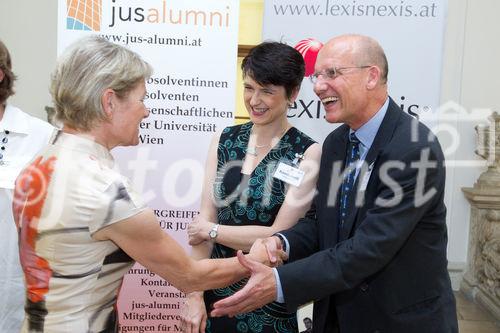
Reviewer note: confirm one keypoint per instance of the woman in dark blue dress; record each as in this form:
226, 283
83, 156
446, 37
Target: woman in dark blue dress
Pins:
260, 179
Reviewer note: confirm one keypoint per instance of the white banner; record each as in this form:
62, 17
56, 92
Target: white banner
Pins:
410, 31
192, 45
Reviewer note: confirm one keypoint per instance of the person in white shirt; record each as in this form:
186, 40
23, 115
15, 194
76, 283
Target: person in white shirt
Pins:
21, 137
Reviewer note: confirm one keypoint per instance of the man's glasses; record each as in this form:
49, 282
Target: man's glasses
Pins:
332, 73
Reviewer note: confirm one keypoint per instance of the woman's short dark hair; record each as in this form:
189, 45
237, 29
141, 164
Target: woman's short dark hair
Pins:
275, 63
7, 84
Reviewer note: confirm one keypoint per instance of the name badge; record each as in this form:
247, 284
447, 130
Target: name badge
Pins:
289, 174
366, 178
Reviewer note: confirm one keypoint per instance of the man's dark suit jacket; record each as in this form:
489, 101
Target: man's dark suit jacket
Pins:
387, 270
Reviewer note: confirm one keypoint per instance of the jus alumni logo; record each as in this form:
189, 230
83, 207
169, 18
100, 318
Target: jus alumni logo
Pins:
84, 15
309, 49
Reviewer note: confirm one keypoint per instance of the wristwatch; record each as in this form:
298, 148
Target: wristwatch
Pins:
213, 232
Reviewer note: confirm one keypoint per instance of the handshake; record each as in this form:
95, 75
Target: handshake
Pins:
268, 251
258, 291
261, 287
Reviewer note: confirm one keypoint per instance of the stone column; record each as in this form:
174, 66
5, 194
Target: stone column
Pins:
481, 280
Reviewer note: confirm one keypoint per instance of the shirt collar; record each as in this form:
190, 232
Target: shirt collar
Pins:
366, 133
14, 120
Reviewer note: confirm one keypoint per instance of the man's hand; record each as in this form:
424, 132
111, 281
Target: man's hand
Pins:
268, 251
259, 290
198, 230
194, 314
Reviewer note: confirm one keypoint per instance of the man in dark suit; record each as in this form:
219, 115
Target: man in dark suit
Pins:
374, 258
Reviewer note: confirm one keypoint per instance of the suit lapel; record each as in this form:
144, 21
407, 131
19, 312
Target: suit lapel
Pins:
384, 134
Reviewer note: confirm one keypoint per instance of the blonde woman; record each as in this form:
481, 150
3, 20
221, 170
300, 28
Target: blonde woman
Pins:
81, 223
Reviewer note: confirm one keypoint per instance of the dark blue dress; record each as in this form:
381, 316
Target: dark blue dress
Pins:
250, 200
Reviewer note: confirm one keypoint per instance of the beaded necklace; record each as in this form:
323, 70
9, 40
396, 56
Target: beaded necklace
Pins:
254, 151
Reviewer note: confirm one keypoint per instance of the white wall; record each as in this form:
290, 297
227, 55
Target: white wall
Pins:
28, 28
471, 77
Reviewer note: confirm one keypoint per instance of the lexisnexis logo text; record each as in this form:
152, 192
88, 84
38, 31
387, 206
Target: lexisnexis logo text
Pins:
357, 8
84, 15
